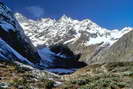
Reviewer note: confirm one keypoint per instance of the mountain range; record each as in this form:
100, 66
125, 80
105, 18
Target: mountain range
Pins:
67, 31
16, 46
37, 54
84, 37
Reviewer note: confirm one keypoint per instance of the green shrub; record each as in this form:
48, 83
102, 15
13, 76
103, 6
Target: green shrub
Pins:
49, 84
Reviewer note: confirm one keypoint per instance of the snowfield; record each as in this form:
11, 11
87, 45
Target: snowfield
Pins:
67, 30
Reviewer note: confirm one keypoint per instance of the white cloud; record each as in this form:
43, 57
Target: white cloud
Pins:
36, 11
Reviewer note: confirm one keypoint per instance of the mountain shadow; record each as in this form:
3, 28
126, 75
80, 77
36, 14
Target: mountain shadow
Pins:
66, 57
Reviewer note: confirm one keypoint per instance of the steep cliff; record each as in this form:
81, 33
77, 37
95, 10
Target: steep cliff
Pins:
13, 35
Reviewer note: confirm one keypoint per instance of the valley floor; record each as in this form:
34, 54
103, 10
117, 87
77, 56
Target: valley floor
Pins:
98, 76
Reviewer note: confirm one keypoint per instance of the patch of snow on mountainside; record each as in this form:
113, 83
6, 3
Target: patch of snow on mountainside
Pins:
6, 26
47, 57
10, 53
66, 30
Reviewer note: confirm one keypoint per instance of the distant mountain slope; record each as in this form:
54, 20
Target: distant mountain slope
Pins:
122, 50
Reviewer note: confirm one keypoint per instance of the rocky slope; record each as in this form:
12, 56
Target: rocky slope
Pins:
120, 51
117, 75
19, 76
7, 53
12, 38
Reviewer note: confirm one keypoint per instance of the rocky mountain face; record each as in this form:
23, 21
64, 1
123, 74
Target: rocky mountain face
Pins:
120, 51
13, 38
83, 37
13, 35
67, 31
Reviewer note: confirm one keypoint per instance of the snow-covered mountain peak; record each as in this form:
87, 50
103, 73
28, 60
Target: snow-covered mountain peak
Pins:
22, 18
67, 30
19, 15
126, 29
65, 18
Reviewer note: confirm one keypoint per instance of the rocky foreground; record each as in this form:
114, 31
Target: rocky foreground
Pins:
98, 76
20, 76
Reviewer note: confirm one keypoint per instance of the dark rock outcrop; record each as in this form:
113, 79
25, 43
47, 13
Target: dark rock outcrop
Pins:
13, 35
7, 53
60, 56
87, 52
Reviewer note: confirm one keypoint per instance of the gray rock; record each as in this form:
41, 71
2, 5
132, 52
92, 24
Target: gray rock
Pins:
122, 50
4, 85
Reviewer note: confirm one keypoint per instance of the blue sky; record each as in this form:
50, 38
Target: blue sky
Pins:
110, 14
